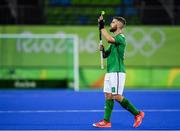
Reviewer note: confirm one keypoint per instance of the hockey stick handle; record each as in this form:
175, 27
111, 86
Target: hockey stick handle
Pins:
101, 55
100, 38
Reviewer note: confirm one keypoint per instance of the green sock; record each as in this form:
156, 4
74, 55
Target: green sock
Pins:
108, 109
125, 103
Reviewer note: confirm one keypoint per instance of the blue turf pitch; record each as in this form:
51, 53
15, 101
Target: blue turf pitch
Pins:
69, 110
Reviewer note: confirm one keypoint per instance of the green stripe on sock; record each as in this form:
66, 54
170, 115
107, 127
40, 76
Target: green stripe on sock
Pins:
108, 109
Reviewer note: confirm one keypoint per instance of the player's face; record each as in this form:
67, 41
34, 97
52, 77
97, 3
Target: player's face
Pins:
114, 25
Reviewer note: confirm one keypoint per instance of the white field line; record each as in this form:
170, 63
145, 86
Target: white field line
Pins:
82, 111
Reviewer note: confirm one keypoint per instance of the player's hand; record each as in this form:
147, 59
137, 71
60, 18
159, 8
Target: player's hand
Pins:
100, 18
101, 22
101, 47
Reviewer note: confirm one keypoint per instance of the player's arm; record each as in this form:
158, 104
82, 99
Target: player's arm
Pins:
107, 36
104, 32
105, 52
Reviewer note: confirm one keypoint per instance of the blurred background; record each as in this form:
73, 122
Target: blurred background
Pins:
54, 43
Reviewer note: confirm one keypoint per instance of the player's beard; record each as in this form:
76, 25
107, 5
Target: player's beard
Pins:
113, 29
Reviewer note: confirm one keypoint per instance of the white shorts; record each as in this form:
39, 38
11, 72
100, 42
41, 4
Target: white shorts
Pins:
114, 82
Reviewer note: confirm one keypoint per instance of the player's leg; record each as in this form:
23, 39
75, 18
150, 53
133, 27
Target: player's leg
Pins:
119, 80
109, 104
126, 104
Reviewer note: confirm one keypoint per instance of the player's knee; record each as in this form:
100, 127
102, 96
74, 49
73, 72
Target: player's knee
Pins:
108, 96
118, 97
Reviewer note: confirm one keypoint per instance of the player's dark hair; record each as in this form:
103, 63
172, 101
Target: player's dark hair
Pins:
121, 19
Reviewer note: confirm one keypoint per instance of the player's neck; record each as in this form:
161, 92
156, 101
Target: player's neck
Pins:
118, 32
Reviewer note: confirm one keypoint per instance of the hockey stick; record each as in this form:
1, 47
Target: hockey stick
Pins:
100, 38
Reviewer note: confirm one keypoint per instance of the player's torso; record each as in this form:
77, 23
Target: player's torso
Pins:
115, 61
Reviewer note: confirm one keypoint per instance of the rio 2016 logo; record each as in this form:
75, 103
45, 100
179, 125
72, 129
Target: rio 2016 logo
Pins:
139, 41
55, 45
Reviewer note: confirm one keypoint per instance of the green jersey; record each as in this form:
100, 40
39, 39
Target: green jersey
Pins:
115, 60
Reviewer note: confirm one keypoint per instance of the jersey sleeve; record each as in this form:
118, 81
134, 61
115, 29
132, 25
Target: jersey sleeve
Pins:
119, 39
